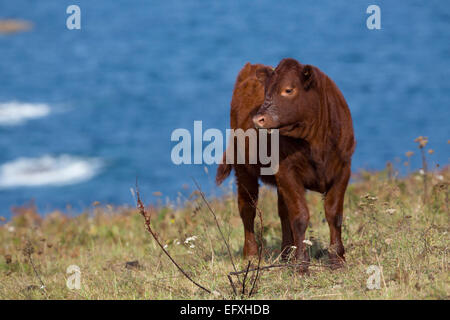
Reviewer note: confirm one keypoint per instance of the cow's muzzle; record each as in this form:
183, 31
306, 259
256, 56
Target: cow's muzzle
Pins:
266, 117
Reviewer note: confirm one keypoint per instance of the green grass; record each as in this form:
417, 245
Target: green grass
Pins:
386, 224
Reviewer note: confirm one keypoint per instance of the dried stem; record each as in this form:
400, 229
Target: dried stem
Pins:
423, 141
273, 266
28, 252
232, 284
146, 216
245, 278
425, 174
261, 246
217, 224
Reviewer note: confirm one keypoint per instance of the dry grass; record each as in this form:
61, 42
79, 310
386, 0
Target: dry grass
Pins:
386, 224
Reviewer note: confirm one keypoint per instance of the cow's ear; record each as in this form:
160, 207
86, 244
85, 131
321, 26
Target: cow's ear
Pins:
263, 73
308, 76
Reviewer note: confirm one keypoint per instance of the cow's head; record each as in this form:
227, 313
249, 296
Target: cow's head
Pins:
291, 100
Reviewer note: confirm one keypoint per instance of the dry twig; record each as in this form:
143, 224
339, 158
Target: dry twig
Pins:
146, 216
261, 246
217, 224
28, 252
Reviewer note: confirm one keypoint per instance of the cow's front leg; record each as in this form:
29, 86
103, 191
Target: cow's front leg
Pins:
293, 194
334, 206
247, 198
287, 239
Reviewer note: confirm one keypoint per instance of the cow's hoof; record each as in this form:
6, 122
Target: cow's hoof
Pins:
304, 269
336, 262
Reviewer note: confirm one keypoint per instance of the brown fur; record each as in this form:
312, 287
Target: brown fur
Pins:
316, 144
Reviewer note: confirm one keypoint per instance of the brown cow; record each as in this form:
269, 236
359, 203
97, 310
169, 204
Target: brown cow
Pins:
315, 146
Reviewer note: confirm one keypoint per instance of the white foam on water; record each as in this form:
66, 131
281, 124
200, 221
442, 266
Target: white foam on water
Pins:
15, 113
48, 171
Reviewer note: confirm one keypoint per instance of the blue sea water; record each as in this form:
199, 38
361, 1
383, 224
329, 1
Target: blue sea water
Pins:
85, 112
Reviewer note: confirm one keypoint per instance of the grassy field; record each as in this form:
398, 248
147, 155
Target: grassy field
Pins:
387, 224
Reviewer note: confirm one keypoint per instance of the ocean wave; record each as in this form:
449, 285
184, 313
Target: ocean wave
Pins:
48, 171
15, 113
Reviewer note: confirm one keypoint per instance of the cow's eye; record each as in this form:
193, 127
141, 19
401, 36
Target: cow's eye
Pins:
288, 92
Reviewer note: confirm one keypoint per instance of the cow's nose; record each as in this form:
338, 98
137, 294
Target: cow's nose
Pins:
259, 121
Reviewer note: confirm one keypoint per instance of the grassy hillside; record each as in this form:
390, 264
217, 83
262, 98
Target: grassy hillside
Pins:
387, 224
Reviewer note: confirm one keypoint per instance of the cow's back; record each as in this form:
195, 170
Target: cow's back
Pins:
248, 96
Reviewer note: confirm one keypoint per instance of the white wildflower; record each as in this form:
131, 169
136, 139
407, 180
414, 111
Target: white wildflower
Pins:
11, 229
307, 242
189, 239
391, 210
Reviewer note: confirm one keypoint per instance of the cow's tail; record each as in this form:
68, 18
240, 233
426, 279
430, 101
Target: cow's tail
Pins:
223, 171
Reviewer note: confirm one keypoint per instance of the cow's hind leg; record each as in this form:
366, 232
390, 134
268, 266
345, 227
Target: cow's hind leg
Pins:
334, 206
247, 188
